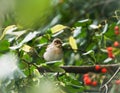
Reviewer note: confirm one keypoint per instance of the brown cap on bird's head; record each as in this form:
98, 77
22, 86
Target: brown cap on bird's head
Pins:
57, 42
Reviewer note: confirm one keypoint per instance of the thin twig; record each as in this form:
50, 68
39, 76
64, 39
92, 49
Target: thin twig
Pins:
25, 61
106, 88
111, 77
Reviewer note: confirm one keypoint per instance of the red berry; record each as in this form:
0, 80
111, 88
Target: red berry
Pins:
97, 67
117, 82
116, 44
103, 70
116, 28
85, 75
94, 83
116, 32
110, 55
88, 81
85, 78
109, 48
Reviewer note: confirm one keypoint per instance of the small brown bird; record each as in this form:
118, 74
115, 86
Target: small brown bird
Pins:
54, 51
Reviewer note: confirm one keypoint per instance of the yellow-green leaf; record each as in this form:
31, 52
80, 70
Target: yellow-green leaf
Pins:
7, 30
73, 43
27, 48
58, 28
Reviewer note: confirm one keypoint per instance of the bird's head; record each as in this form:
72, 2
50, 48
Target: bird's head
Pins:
57, 42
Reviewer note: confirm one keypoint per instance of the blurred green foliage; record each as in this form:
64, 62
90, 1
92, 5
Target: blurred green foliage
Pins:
90, 22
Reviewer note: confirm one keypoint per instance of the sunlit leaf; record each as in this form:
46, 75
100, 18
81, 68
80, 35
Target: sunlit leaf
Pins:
77, 31
105, 29
27, 48
91, 51
73, 43
18, 33
36, 72
93, 26
29, 37
55, 63
58, 28
83, 22
8, 30
107, 60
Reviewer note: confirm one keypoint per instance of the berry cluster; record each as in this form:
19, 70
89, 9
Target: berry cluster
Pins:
117, 32
88, 81
91, 81
110, 53
98, 68
116, 29
115, 44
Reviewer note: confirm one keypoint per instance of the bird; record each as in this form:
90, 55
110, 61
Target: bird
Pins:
54, 51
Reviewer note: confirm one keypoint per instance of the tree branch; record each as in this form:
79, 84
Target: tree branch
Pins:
82, 69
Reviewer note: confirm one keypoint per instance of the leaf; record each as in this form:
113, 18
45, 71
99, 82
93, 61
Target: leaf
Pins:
18, 33
29, 37
8, 30
58, 28
27, 48
108, 60
83, 22
90, 51
55, 63
72, 43
4, 45
56, 34
57, 69
36, 72
105, 29
93, 26
77, 31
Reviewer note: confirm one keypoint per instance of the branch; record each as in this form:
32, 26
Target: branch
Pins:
81, 69
111, 78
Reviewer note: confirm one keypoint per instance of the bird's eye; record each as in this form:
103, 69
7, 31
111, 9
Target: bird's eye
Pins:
57, 42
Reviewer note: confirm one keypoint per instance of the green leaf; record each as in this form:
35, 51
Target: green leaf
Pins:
4, 45
83, 22
54, 63
57, 69
105, 29
89, 52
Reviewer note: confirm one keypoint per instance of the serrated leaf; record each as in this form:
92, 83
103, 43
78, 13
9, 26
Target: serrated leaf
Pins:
73, 43
58, 28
